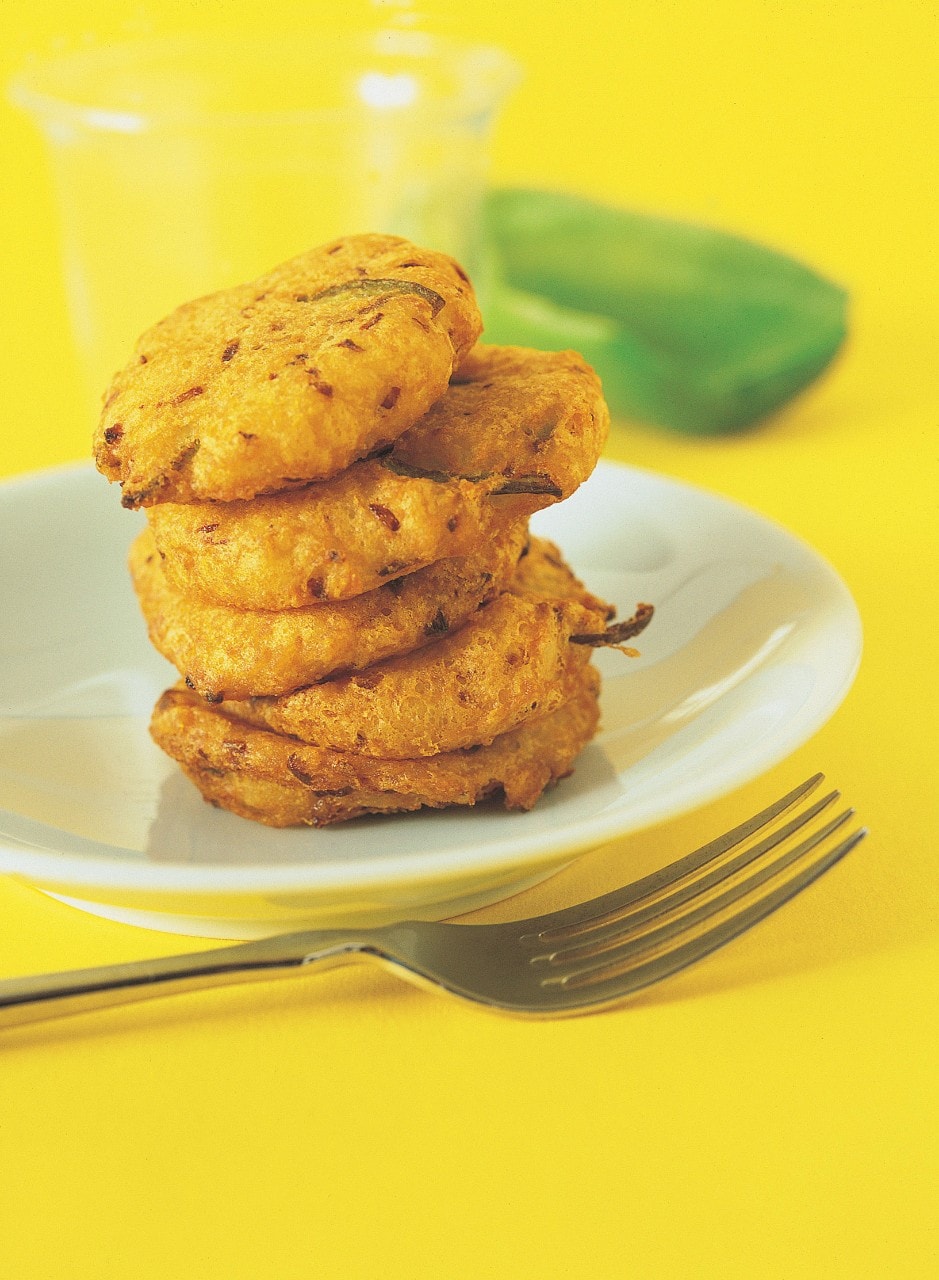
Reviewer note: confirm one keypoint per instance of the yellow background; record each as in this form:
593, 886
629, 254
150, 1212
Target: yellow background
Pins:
770, 1114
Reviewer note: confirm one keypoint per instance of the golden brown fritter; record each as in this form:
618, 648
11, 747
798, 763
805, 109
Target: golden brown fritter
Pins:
237, 653
329, 541
539, 418
511, 662
519, 430
274, 779
288, 378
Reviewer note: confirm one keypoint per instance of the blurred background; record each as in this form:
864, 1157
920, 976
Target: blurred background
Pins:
807, 127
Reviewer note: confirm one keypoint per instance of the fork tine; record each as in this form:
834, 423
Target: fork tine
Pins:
632, 937
692, 885
625, 979
617, 899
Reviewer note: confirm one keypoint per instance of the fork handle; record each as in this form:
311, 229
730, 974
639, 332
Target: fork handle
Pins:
51, 995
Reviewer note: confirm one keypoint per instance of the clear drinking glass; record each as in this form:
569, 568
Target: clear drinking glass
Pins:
185, 165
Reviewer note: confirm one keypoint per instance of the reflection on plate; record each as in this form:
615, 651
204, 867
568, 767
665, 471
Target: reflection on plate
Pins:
755, 641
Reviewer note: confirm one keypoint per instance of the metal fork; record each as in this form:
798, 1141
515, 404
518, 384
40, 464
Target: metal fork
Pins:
581, 958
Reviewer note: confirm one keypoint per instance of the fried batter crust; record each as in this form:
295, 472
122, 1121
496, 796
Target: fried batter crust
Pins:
514, 420
538, 416
329, 541
223, 651
274, 779
511, 662
288, 378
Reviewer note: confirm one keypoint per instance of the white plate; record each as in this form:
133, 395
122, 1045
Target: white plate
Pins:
755, 642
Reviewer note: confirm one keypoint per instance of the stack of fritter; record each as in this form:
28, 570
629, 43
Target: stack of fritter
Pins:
338, 482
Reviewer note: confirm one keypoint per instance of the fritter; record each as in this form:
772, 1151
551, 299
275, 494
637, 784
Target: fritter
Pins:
289, 378
223, 651
517, 431
539, 422
329, 541
511, 662
274, 779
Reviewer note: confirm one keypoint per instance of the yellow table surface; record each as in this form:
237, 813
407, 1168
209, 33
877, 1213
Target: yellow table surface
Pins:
771, 1113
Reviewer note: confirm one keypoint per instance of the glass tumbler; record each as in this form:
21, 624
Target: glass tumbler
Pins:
186, 165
